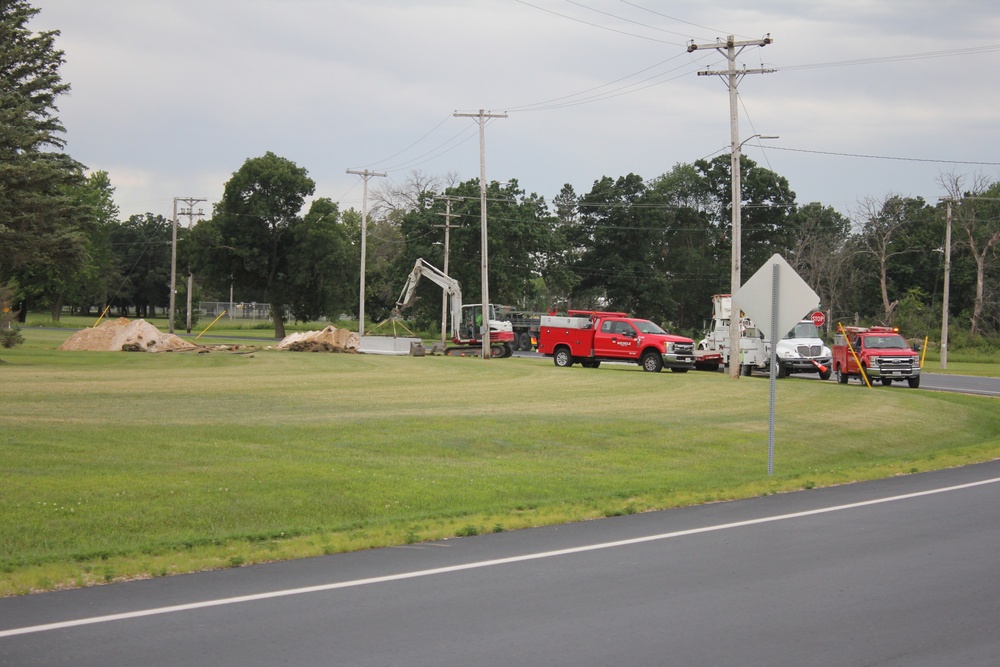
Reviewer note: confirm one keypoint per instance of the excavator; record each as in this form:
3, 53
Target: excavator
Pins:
466, 321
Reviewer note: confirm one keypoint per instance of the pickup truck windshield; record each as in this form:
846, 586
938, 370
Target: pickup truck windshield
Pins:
647, 327
891, 342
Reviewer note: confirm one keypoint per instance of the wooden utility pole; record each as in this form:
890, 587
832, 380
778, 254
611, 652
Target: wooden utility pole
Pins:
447, 240
189, 211
481, 118
947, 284
365, 175
731, 49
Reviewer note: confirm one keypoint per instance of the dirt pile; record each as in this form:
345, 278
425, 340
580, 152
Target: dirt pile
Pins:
330, 339
125, 335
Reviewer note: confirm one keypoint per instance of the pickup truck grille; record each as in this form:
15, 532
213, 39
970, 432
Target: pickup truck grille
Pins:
809, 350
895, 364
684, 348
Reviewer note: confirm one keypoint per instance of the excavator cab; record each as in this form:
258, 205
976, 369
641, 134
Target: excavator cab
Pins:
471, 327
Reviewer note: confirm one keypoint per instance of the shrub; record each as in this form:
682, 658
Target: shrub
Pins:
10, 337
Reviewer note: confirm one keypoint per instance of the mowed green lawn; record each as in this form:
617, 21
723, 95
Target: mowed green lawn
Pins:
119, 465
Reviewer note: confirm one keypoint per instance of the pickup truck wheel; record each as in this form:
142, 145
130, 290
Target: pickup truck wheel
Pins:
563, 358
841, 375
652, 362
914, 382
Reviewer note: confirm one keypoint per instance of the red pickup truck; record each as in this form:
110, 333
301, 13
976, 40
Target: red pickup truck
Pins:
590, 337
883, 354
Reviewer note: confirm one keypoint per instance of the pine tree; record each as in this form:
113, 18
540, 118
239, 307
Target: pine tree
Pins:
40, 222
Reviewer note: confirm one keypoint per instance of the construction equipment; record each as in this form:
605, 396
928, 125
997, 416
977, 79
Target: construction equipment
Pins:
466, 320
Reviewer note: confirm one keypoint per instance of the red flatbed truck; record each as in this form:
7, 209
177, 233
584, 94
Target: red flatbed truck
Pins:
590, 337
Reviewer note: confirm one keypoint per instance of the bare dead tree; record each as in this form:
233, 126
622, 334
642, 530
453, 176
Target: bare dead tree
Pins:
391, 199
882, 223
976, 212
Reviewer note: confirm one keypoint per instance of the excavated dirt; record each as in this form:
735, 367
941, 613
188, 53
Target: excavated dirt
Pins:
330, 339
128, 336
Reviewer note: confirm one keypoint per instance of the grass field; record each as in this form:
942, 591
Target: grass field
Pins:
120, 465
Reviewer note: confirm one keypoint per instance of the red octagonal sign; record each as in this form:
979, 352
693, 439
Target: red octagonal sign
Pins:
818, 318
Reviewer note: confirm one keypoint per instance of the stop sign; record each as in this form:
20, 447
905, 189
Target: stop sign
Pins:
818, 318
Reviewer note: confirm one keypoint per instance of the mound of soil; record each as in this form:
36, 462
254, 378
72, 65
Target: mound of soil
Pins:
126, 335
330, 339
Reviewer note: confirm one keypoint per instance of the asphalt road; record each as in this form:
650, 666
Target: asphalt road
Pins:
901, 571
965, 384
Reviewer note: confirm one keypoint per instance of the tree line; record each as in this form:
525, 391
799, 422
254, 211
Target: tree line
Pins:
656, 247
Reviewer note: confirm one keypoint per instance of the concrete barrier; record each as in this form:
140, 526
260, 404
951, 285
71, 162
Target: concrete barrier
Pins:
393, 345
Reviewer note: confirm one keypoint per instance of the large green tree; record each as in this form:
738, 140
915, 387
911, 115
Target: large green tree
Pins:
696, 254
41, 240
253, 236
322, 266
767, 204
141, 247
623, 228
518, 235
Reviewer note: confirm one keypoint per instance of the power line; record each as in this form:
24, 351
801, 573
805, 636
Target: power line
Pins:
596, 25
557, 103
673, 18
622, 18
899, 58
885, 157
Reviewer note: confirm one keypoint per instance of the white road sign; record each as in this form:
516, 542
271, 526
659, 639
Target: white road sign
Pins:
795, 299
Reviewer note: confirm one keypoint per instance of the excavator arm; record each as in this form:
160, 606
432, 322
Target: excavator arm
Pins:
424, 269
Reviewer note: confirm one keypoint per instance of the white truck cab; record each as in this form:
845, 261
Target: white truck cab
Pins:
802, 350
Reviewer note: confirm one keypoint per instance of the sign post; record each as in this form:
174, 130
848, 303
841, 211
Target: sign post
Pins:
758, 298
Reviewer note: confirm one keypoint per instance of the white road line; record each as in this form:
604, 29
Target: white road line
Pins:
476, 565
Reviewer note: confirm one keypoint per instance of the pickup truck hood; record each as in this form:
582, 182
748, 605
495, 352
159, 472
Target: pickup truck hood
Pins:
802, 347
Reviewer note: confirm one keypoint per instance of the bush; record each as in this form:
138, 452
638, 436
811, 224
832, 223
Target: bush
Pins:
11, 337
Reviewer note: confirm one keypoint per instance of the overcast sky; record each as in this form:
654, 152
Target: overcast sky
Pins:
172, 96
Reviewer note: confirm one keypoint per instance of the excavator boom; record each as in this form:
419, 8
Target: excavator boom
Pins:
424, 269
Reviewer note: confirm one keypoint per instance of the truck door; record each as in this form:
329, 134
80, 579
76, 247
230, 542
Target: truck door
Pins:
616, 338
850, 365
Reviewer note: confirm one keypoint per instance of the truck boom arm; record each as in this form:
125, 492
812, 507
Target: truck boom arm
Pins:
423, 268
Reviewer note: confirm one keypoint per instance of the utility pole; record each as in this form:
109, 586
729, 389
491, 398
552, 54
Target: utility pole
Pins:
190, 201
173, 267
731, 49
481, 118
947, 283
365, 175
190, 213
447, 229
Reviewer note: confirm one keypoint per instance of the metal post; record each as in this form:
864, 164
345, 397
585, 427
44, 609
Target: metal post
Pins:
773, 364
